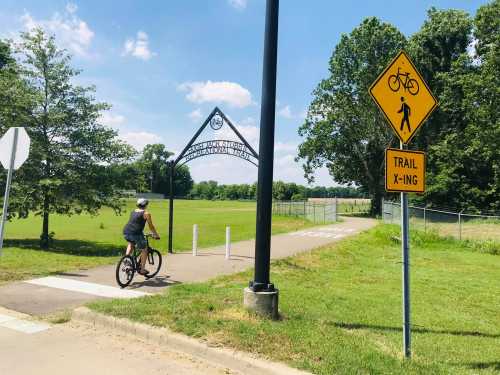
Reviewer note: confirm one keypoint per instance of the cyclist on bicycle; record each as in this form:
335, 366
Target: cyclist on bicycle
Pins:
134, 232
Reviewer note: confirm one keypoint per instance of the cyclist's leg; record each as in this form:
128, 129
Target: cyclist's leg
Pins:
144, 258
130, 248
143, 246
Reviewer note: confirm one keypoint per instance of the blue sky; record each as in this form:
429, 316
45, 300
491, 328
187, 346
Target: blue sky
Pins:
164, 65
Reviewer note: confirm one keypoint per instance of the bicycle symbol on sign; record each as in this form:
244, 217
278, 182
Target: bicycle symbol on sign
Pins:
409, 84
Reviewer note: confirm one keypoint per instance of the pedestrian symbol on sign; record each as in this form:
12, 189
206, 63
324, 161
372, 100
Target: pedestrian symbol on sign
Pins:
406, 110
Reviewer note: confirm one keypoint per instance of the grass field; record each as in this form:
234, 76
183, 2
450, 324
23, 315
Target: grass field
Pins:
341, 308
83, 241
479, 229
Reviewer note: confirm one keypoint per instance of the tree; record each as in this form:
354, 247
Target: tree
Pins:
152, 165
344, 130
182, 181
441, 40
464, 163
67, 171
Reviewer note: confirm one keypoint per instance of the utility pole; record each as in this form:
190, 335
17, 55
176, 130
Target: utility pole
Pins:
261, 295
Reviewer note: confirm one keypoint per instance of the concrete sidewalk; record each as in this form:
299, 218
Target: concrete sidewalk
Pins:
70, 290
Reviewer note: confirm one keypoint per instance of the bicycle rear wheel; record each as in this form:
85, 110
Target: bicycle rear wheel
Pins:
125, 270
393, 82
153, 264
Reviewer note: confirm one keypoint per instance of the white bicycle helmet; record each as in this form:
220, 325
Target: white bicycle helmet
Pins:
142, 202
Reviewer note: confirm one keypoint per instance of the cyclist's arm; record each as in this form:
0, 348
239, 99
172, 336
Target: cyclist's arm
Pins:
151, 226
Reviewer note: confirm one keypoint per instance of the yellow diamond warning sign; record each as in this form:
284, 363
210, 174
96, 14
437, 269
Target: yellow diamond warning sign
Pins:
404, 170
403, 97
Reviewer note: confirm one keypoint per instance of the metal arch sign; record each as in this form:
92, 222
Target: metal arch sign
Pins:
220, 147
403, 97
240, 148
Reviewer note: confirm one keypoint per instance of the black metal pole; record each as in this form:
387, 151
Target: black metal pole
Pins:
266, 152
171, 208
405, 247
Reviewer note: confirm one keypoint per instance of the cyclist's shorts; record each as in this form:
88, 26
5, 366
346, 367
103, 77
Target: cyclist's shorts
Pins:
137, 239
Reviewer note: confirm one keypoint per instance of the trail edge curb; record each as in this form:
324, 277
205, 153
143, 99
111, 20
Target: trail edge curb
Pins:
232, 359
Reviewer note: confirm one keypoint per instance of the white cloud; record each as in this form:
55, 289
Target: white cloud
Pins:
71, 32
138, 47
195, 115
285, 146
246, 128
140, 139
111, 120
217, 92
238, 4
285, 112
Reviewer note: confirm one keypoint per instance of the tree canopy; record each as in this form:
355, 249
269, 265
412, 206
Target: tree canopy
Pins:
345, 131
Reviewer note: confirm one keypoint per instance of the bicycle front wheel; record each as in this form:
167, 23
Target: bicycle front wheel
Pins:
153, 263
125, 270
413, 86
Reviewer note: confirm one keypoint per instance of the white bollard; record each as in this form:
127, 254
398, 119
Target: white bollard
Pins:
195, 239
228, 242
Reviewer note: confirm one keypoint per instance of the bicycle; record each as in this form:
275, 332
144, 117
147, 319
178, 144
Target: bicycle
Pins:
395, 81
130, 264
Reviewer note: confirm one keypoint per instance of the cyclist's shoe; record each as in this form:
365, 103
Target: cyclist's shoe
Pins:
143, 273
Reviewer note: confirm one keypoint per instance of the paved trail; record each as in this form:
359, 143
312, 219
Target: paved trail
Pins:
69, 290
27, 344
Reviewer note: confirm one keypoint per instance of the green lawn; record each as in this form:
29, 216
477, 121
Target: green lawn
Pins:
341, 308
83, 241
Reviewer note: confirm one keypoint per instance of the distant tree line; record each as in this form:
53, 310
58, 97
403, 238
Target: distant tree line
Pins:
281, 191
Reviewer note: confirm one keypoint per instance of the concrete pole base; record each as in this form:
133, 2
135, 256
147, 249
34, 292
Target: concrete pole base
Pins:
262, 303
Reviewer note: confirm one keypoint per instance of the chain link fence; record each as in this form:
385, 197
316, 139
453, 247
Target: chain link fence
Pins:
460, 225
312, 211
321, 210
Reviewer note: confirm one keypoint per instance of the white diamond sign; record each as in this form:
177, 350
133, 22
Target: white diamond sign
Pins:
22, 148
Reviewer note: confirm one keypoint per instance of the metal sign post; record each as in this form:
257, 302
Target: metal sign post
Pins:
7, 186
405, 248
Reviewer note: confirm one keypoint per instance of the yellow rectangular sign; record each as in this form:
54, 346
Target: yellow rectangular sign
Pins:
404, 170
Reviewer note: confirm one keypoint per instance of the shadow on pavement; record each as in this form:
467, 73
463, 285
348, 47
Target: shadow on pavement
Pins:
155, 282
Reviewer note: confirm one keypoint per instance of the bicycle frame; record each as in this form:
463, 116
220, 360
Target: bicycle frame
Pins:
406, 75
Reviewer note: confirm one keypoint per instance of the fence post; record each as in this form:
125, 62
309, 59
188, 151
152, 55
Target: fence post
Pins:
195, 239
228, 242
336, 209
314, 212
425, 222
460, 225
